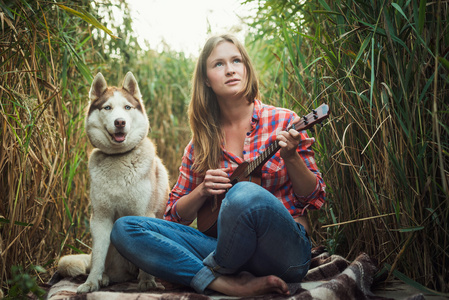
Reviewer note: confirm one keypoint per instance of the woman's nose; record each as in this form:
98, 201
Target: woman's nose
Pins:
230, 71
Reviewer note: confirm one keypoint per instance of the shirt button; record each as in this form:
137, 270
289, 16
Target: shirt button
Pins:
248, 133
244, 152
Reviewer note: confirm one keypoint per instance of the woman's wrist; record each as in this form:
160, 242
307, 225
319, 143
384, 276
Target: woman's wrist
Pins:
188, 205
291, 158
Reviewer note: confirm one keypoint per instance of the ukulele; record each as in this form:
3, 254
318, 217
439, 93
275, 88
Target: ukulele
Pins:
248, 171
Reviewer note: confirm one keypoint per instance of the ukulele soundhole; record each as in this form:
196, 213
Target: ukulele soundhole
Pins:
234, 181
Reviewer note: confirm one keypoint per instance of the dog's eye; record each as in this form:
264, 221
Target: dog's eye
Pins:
127, 107
107, 107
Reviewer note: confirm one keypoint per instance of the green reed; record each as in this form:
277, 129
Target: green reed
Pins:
382, 67
49, 55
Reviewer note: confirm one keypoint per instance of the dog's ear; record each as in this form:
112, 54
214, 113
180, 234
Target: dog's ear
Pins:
130, 84
98, 87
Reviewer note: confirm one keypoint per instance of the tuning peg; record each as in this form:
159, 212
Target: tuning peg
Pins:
305, 120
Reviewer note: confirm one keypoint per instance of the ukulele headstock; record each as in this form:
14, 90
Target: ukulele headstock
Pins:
308, 121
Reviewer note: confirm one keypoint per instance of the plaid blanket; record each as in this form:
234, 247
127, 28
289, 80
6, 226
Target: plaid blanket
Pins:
330, 277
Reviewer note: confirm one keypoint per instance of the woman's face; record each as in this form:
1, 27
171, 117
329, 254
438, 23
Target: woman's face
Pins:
226, 72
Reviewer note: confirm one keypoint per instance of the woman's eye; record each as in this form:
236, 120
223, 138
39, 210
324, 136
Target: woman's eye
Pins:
218, 64
127, 107
237, 61
107, 107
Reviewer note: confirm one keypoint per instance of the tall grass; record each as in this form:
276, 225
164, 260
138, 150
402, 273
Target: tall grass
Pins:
48, 55
43, 190
382, 66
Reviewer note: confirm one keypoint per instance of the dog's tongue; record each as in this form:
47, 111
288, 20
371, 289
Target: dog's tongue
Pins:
119, 137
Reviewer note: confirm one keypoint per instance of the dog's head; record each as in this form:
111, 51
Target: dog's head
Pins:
116, 119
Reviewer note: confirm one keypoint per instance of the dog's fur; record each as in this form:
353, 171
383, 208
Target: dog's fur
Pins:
126, 176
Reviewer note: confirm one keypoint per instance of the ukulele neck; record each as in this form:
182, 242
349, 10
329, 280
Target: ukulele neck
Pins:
263, 157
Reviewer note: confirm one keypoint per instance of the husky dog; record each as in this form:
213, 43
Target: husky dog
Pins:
126, 178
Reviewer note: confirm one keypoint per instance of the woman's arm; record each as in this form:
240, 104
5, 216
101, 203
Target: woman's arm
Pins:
303, 180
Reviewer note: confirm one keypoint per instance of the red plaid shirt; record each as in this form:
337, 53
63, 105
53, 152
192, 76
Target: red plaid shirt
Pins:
266, 122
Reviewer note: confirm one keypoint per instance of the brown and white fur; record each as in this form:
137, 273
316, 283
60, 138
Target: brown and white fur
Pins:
126, 178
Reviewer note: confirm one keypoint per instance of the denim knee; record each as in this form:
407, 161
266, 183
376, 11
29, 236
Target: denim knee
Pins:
118, 230
244, 195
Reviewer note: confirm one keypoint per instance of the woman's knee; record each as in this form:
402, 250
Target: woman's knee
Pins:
245, 195
118, 232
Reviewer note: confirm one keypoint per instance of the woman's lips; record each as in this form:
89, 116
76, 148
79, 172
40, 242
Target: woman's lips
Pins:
232, 81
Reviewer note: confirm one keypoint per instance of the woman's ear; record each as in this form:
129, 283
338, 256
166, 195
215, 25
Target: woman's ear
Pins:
207, 82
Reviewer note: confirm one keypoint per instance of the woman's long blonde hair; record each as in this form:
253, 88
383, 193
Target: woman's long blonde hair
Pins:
204, 111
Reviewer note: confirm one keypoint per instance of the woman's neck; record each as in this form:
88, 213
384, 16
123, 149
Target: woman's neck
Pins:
234, 113
236, 122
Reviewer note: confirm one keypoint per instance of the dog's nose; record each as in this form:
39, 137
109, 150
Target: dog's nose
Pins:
120, 123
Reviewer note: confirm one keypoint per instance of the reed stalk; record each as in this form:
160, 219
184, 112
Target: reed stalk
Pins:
49, 52
382, 68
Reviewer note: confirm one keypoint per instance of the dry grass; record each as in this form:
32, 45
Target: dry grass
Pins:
41, 130
383, 69
47, 58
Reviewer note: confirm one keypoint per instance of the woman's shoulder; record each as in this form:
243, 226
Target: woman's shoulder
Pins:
267, 110
188, 150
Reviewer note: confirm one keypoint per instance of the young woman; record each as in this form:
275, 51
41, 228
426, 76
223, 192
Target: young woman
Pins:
262, 238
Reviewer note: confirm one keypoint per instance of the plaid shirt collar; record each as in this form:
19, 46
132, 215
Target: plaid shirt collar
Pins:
256, 112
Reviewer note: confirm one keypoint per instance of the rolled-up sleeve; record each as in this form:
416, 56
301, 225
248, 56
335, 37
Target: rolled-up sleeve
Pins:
187, 182
316, 199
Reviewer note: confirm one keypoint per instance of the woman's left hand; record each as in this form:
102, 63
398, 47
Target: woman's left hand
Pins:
289, 142
302, 178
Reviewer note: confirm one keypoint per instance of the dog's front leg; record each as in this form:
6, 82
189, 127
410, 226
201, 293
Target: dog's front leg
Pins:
100, 230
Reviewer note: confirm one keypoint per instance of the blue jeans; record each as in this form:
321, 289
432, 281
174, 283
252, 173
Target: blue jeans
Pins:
256, 233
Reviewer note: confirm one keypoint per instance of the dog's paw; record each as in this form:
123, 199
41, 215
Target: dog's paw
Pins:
88, 287
148, 284
104, 280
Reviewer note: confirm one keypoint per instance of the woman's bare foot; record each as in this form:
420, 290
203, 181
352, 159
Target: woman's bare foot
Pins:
246, 284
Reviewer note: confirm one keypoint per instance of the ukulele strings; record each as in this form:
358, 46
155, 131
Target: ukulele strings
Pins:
270, 150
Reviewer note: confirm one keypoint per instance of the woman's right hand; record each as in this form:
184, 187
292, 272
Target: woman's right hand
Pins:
216, 182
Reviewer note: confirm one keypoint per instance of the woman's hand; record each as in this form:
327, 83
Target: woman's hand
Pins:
303, 180
289, 142
216, 182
